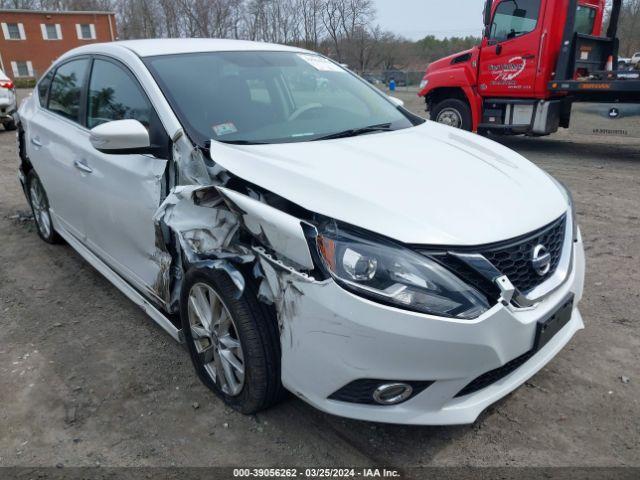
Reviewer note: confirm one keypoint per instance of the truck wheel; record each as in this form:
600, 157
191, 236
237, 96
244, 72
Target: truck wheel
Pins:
39, 203
452, 112
234, 343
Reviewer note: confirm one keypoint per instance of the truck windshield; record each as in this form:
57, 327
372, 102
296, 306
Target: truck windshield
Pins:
585, 19
258, 97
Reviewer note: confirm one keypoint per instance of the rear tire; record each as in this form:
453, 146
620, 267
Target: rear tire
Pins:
452, 112
250, 340
39, 203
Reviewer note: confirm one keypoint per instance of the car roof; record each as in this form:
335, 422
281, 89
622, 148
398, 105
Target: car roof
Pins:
172, 46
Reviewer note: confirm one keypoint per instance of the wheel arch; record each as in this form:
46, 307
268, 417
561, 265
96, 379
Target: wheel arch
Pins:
25, 163
464, 94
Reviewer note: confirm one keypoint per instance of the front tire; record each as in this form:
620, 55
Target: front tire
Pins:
233, 343
452, 112
39, 203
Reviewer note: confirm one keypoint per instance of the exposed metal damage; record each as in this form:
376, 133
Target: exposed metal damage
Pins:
204, 223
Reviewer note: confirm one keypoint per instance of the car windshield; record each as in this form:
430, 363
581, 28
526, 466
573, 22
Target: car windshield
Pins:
270, 97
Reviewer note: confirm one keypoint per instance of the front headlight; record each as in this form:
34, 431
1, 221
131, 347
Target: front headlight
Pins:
394, 275
423, 84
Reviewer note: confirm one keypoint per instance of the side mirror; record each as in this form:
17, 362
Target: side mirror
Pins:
396, 101
120, 137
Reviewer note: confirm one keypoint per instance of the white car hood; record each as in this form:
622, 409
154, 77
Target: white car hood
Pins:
430, 184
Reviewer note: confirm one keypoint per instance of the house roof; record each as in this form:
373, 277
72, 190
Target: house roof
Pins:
55, 12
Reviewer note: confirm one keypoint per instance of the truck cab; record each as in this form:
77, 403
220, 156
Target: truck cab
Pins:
502, 85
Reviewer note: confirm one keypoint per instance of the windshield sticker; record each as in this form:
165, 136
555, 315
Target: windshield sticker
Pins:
320, 63
224, 129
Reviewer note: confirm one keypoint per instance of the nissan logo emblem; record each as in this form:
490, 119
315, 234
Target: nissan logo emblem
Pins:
541, 260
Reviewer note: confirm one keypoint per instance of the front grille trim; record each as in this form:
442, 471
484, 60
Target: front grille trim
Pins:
513, 258
545, 285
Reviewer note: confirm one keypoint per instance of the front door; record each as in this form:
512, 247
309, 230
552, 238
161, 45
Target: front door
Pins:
509, 54
125, 189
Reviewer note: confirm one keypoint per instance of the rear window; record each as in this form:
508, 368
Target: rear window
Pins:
585, 20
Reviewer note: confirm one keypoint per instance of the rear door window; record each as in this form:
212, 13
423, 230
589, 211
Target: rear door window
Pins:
66, 89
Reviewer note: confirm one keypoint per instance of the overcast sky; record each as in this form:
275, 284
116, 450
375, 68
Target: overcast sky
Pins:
416, 19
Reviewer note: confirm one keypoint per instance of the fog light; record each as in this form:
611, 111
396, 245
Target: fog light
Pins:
392, 393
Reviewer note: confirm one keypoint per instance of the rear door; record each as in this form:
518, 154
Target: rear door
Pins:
125, 190
509, 54
53, 133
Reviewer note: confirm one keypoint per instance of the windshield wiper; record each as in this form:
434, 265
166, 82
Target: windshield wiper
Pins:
242, 142
354, 132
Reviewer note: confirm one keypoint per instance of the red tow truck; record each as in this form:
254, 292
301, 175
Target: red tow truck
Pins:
541, 65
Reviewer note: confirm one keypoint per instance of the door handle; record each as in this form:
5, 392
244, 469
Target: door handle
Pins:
498, 49
528, 57
83, 167
36, 142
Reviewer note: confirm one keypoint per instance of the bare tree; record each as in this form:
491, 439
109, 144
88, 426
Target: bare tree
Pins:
311, 22
332, 24
139, 19
629, 28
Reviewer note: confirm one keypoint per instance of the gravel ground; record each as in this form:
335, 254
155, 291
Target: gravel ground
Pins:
86, 378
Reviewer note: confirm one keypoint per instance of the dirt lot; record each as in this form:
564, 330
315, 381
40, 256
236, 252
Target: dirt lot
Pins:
86, 378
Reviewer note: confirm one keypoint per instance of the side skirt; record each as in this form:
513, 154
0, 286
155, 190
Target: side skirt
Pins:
121, 284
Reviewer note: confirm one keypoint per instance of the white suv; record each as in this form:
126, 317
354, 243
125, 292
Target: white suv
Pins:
635, 59
320, 240
7, 102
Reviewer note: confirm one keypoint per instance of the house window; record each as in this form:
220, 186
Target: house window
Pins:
51, 31
22, 69
86, 31
13, 31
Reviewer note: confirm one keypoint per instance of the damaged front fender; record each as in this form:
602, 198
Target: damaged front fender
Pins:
204, 229
276, 230
207, 222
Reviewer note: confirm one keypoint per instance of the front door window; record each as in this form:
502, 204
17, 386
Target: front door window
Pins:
514, 18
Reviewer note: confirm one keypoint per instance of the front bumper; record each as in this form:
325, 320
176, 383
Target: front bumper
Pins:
331, 337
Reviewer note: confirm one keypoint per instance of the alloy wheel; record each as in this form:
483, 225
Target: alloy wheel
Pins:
216, 339
40, 207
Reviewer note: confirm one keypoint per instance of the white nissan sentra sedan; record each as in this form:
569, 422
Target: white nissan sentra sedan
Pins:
299, 230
